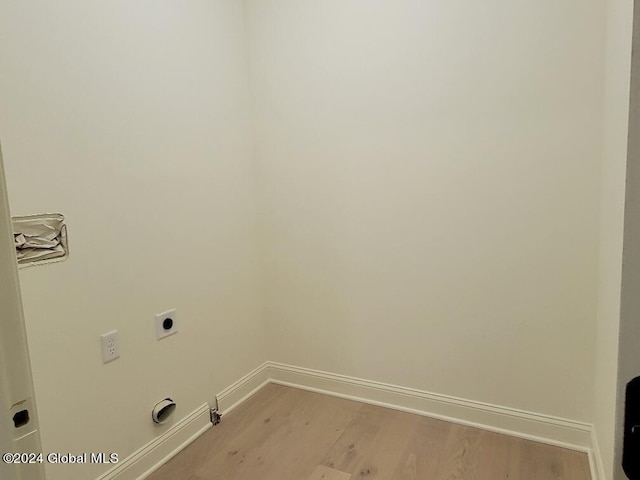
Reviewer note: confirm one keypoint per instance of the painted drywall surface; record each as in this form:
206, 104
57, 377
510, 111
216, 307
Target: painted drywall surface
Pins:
430, 178
629, 344
131, 119
616, 115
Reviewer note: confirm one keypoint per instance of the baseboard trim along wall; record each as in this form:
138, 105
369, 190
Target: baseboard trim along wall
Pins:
237, 393
595, 458
161, 449
509, 421
533, 426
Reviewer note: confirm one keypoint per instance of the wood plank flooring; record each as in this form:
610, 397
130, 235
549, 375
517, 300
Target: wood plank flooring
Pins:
283, 433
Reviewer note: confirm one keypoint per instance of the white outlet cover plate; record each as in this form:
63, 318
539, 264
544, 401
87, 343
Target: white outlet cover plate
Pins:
110, 346
161, 332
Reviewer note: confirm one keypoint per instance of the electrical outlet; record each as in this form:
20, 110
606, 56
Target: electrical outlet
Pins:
110, 346
166, 324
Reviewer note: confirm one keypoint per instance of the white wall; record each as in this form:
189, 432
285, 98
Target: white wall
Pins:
429, 184
614, 162
131, 118
629, 339
430, 178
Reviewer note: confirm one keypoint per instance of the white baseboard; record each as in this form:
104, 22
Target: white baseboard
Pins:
160, 450
518, 423
237, 393
533, 426
595, 458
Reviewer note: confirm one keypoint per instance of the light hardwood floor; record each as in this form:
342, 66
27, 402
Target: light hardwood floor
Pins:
283, 433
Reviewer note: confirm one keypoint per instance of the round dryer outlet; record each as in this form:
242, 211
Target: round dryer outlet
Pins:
166, 324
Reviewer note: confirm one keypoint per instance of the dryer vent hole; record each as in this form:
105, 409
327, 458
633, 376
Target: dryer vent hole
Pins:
21, 418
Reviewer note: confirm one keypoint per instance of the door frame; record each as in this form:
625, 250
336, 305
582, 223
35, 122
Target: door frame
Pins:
16, 381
